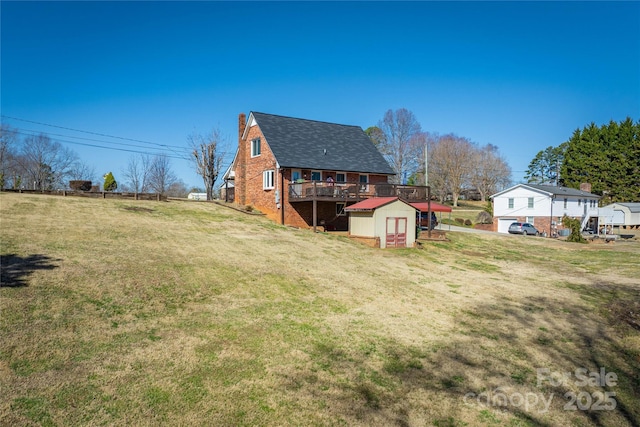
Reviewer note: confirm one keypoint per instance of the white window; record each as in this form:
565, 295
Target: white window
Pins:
341, 177
255, 147
579, 202
340, 209
316, 176
510, 202
268, 179
565, 202
530, 219
530, 203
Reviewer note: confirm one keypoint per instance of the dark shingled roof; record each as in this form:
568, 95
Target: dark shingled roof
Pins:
562, 191
309, 144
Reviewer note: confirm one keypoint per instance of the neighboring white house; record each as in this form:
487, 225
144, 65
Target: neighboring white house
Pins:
627, 214
542, 205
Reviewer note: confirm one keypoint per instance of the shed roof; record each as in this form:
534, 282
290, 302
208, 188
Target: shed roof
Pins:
310, 144
435, 207
373, 203
633, 207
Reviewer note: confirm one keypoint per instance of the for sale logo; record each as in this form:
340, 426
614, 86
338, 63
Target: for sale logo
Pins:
598, 400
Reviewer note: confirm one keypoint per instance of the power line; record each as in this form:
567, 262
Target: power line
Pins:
35, 132
89, 132
111, 148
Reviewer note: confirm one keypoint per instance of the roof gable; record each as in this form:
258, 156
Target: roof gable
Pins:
309, 144
373, 204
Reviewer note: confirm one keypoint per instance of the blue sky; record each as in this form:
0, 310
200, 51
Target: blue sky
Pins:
519, 75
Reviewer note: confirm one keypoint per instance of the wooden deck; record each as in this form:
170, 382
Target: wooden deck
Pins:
353, 191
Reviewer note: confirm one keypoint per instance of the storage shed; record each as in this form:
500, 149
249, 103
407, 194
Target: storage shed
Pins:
387, 220
626, 214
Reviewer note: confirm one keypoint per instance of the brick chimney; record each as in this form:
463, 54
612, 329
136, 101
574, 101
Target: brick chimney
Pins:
585, 186
241, 164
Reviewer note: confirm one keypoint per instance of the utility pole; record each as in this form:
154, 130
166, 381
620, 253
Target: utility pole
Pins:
426, 164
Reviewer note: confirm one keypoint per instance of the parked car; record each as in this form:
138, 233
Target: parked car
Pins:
423, 220
523, 228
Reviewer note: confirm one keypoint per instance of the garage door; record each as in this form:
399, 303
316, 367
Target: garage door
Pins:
504, 223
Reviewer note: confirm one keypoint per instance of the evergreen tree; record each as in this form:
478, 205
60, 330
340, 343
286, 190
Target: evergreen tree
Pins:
544, 168
110, 183
607, 157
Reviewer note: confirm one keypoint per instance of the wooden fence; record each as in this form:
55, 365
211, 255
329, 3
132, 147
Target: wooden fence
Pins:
95, 194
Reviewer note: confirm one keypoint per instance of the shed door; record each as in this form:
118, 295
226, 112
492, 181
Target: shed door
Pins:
396, 233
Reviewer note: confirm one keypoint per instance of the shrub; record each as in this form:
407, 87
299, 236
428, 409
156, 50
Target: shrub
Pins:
249, 208
489, 209
484, 217
459, 221
110, 183
467, 222
80, 185
574, 226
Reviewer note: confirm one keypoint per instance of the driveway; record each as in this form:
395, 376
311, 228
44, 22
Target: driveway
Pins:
447, 227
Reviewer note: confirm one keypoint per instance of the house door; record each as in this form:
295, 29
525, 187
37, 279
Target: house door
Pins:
396, 235
296, 189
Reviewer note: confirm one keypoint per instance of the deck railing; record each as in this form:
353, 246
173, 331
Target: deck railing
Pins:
354, 191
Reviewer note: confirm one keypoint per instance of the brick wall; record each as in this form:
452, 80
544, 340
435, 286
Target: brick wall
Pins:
255, 194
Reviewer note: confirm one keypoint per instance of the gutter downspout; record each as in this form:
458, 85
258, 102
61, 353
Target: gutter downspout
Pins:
282, 195
553, 199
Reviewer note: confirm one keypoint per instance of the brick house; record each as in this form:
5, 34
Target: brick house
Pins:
304, 173
543, 206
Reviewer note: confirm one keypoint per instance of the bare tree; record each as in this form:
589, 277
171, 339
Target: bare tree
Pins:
161, 176
137, 173
82, 171
208, 157
491, 172
44, 162
402, 143
178, 189
450, 165
8, 138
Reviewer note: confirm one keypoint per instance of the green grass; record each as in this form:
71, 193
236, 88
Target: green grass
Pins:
181, 313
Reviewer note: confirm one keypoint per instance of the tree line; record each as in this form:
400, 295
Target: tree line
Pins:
37, 162
607, 157
449, 164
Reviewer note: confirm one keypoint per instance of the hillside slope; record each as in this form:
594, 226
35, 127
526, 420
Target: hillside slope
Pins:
146, 313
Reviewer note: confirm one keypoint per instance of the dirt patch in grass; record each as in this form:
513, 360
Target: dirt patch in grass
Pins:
138, 209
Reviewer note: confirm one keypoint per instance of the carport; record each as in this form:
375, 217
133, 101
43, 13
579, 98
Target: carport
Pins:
433, 207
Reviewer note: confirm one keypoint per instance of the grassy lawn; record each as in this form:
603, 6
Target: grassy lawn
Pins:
176, 313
